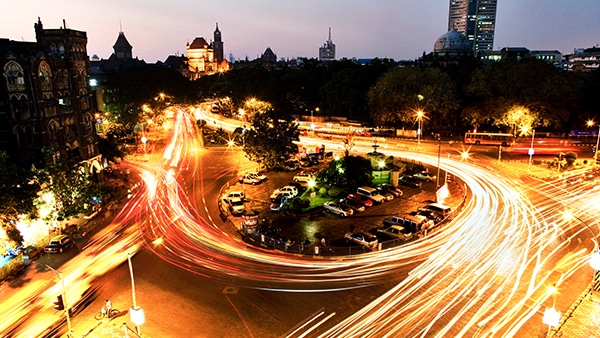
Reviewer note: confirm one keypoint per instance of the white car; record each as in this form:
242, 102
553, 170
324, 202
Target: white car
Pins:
249, 179
304, 177
424, 176
234, 194
258, 176
338, 209
236, 206
289, 190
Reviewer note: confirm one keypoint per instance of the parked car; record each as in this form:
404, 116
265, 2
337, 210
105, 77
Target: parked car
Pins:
249, 179
395, 232
236, 206
409, 181
304, 176
367, 202
279, 202
354, 205
258, 176
234, 194
58, 244
289, 190
371, 193
386, 194
362, 238
309, 161
410, 223
388, 188
338, 209
425, 176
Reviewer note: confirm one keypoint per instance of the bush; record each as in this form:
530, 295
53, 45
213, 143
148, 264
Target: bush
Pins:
334, 192
298, 204
322, 192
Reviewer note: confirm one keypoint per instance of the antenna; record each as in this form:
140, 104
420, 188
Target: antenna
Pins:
120, 26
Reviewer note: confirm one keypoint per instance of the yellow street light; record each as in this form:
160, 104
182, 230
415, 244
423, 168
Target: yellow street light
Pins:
420, 115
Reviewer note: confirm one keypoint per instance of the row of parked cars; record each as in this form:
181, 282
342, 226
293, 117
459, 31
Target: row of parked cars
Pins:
416, 180
401, 228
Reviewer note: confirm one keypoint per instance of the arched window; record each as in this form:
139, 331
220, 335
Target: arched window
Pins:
53, 128
61, 51
63, 82
45, 76
13, 72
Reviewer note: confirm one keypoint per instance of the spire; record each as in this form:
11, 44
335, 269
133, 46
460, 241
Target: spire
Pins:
329, 33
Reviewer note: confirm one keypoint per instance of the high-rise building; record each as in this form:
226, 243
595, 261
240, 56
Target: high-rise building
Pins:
476, 19
327, 51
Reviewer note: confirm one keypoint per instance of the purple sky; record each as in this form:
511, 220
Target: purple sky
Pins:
378, 28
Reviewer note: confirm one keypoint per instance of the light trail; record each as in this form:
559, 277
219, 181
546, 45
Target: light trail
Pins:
483, 274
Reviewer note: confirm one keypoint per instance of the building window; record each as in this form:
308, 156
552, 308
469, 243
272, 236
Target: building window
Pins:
45, 76
13, 72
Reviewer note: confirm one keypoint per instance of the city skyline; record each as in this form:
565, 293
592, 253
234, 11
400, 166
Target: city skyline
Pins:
401, 30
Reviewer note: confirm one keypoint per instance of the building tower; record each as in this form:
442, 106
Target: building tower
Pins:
122, 48
327, 51
218, 45
476, 19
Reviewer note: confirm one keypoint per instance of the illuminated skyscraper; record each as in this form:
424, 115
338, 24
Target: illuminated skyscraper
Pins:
476, 19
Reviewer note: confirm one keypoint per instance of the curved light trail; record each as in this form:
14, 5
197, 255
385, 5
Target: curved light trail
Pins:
484, 274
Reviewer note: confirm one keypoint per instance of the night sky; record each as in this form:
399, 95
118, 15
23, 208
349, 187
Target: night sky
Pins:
401, 30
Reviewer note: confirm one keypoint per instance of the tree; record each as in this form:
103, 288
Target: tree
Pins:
270, 141
529, 83
18, 192
401, 92
71, 187
348, 173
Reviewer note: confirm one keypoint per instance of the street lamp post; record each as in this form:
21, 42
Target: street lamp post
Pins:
64, 298
437, 177
531, 151
137, 313
596, 149
420, 120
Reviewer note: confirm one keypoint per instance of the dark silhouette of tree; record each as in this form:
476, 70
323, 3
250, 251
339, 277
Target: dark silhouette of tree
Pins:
348, 173
270, 141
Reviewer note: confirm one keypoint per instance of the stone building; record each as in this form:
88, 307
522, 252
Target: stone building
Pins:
45, 98
205, 58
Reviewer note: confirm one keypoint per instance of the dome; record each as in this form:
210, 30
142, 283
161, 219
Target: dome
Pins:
452, 41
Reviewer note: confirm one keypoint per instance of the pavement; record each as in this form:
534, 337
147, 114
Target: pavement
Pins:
581, 319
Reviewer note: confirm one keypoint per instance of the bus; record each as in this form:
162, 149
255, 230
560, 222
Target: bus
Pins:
491, 139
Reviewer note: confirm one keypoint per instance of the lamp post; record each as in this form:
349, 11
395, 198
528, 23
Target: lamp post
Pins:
64, 298
381, 166
531, 151
136, 313
596, 149
420, 120
437, 177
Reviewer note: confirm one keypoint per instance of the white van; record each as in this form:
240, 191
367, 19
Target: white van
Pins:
371, 193
439, 209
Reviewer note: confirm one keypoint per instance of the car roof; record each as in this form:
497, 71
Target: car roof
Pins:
58, 237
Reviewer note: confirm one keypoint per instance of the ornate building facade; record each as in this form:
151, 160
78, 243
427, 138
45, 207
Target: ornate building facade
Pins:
45, 98
205, 58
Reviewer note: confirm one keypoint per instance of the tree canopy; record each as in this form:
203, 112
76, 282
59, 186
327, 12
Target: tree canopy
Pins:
270, 141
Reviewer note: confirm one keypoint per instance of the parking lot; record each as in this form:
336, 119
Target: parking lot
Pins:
318, 225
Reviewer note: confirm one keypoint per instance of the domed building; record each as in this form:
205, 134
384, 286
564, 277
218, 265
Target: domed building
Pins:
452, 44
450, 48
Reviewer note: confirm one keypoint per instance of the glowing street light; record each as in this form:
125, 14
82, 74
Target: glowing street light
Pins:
381, 165
420, 115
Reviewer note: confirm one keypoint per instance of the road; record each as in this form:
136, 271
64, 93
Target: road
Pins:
485, 274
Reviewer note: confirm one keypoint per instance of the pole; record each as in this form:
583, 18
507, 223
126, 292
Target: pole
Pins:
64, 298
419, 133
596, 150
137, 327
531, 150
437, 177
